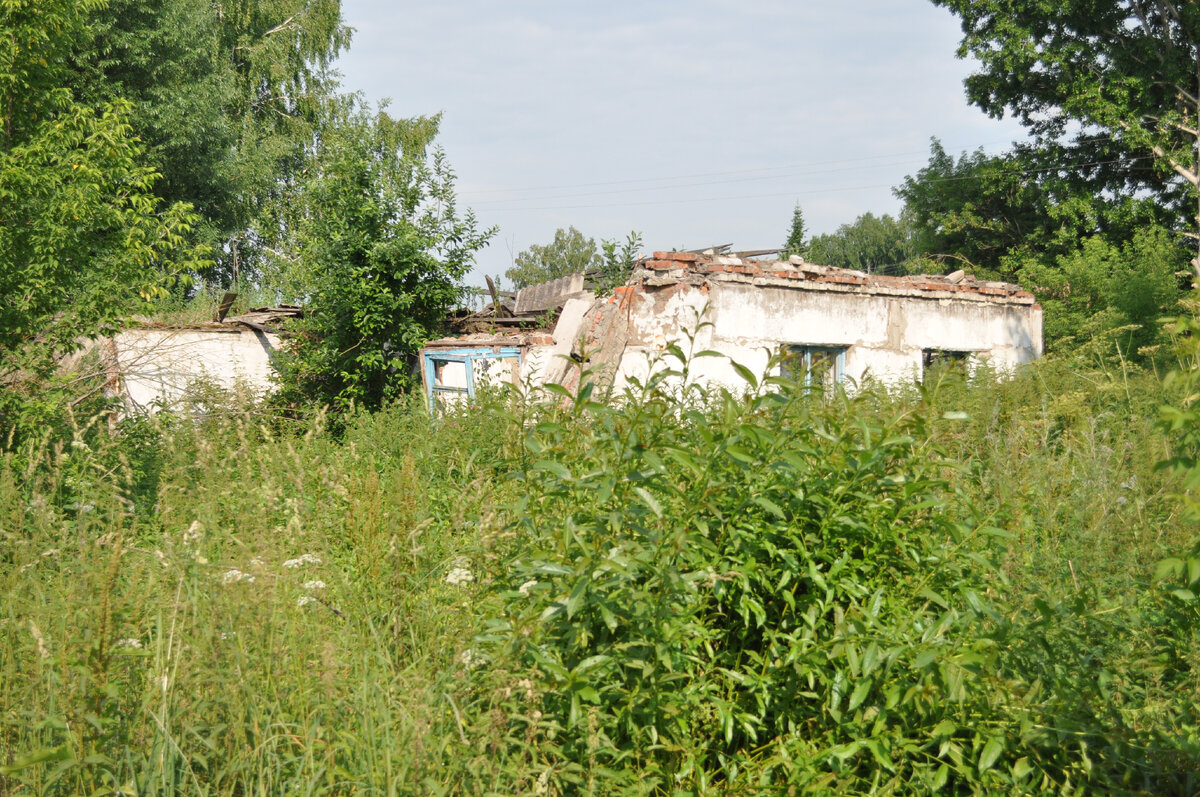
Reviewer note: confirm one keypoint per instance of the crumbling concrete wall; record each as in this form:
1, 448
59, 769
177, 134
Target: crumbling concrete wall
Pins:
747, 310
157, 366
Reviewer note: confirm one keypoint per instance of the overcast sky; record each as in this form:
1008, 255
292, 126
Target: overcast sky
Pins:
695, 123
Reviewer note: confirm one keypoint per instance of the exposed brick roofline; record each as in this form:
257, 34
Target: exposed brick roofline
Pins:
666, 267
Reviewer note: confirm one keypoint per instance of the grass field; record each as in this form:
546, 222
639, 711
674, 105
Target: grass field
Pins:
947, 589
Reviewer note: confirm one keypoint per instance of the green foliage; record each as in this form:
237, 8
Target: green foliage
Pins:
83, 238
226, 97
739, 592
796, 243
132, 623
279, 53
81, 233
948, 591
972, 211
375, 230
617, 262
1101, 287
732, 580
874, 244
164, 58
1110, 84
1096, 263
569, 253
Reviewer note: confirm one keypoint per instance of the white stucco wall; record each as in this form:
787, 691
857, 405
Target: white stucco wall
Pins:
157, 365
884, 336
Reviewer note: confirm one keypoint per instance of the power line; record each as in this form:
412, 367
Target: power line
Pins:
669, 178
490, 202
639, 180
1023, 172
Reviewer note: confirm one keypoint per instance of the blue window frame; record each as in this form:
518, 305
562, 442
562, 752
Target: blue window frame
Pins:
433, 360
810, 363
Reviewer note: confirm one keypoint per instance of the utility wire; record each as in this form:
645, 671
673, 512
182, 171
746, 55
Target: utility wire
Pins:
667, 178
638, 180
489, 202
1022, 172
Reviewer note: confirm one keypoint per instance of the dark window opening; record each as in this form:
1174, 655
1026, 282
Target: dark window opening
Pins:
940, 361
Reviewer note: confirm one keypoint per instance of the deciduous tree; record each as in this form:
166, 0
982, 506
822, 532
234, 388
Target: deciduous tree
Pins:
227, 96
374, 226
971, 211
83, 238
570, 252
1112, 87
872, 244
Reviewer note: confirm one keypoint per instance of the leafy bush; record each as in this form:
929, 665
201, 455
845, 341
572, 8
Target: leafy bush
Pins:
752, 590
695, 586
687, 592
378, 236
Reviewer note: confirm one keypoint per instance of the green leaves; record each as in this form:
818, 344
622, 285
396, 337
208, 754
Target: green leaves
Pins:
47, 755
375, 228
871, 243
569, 253
746, 571
1121, 74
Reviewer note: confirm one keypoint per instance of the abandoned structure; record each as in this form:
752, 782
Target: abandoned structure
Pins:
846, 326
837, 325
152, 365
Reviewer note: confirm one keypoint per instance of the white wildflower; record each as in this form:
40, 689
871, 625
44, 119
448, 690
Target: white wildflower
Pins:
193, 533
459, 576
543, 783
130, 643
312, 586
228, 635
305, 559
233, 576
257, 563
470, 659
79, 444
304, 600
526, 588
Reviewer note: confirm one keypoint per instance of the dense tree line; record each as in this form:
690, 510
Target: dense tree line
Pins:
154, 147
1096, 212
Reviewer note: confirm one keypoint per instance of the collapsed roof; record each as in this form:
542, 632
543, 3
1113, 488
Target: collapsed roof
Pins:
695, 268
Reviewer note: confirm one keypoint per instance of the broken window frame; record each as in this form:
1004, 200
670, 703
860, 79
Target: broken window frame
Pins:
801, 361
433, 360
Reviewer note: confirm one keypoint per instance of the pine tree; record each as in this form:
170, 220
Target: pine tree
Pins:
796, 244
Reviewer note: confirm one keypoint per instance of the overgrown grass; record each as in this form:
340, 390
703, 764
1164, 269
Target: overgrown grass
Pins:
947, 590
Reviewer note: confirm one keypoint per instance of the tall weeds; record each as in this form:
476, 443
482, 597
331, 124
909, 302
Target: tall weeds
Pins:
680, 592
